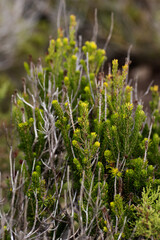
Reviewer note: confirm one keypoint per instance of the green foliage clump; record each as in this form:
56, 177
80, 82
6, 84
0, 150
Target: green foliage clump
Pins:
148, 223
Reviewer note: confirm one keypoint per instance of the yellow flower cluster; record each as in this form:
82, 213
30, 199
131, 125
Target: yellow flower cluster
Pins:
106, 84
73, 20
87, 89
115, 62
115, 172
97, 144
93, 134
125, 68
128, 89
59, 42
154, 88
129, 106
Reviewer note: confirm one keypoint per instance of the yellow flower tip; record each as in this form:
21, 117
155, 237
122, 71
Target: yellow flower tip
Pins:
5, 227
93, 134
103, 52
66, 79
52, 42
19, 102
34, 174
59, 42
65, 41
84, 160
128, 88
20, 125
93, 45
54, 102
154, 88
74, 142
115, 172
84, 49
73, 20
105, 229
109, 76
87, 89
66, 104
79, 119
74, 57
125, 67
31, 120
83, 104
129, 106
112, 204
77, 130
115, 62
106, 84
97, 144
87, 43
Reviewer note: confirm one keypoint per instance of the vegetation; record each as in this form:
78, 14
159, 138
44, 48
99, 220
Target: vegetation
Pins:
87, 165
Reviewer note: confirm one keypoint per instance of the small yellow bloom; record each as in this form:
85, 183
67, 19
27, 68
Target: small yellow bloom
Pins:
112, 204
74, 57
73, 20
109, 76
54, 102
65, 41
103, 52
115, 172
93, 134
125, 67
97, 144
66, 104
105, 84
129, 106
84, 49
105, 229
87, 89
115, 62
59, 42
20, 125
83, 104
77, 131
154, 88
93, 45
87, 43
52, 42
128, 88
66, 81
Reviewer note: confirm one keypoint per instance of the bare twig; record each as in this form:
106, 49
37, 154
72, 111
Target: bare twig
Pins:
110, 32
95, 30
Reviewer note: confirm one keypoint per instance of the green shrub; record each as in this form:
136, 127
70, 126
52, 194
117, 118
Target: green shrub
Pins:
87, 150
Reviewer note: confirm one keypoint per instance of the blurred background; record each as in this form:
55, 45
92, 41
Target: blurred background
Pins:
27, 25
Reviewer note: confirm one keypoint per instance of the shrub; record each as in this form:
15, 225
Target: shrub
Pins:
87, 149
